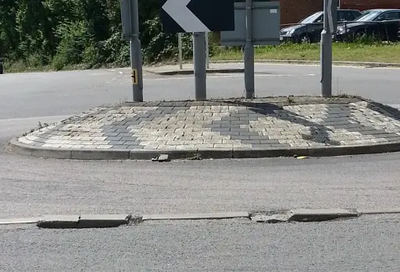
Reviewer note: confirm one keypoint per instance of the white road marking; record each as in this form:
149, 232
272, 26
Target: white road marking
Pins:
114, 79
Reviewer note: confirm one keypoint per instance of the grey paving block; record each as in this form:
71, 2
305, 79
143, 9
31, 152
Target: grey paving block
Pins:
216, 125
124, 130
126, 135
252, 142
257, 137
264, 146
124, 127
231, 133
132, 142
121, 142
115, 138
248, 133
239, 129
240, 137
178, 108
248, 118
231, 118
270, 142
220, 129
112, 134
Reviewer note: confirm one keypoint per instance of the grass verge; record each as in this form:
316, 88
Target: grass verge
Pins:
375, 52
357, 52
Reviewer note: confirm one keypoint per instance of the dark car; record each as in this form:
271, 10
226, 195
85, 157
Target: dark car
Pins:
310, 28
383, 24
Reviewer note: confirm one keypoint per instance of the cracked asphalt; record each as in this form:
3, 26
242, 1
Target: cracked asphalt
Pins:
364, 244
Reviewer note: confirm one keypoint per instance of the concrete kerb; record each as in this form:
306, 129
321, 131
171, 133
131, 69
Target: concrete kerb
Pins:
317, 215
378, 211
317, 62
19, 221
305, 215
107, 154
49, 153
196, 216
83, 221
152, 70
191, 71
117, 220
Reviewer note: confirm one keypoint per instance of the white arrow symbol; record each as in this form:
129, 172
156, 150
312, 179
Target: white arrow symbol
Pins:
178, 11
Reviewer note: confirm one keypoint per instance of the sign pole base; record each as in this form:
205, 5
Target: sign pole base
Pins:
326, 64
137, 72
249, 53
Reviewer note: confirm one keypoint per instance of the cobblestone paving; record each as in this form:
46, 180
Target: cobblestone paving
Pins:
219, 125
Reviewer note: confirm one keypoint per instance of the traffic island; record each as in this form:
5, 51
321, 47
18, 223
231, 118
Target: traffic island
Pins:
188, 69
232, 128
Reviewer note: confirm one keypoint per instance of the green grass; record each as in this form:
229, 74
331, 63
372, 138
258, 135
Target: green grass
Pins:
373, 52
20, 67
367, 51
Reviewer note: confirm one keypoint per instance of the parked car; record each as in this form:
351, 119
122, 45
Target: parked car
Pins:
381, 23
310, 28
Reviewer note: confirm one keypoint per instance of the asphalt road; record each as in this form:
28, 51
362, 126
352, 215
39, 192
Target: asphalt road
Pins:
64, 93
33, 187
364, 244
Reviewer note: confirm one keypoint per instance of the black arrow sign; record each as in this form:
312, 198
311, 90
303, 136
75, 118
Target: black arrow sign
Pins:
197, 15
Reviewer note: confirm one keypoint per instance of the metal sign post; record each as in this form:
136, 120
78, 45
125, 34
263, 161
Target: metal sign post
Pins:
180, 50
330, 22
130, 30
200, 71
136, 56
249, 52
256, 23
207, 50
198, 17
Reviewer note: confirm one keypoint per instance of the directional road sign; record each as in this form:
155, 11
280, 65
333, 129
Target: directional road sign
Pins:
197, 15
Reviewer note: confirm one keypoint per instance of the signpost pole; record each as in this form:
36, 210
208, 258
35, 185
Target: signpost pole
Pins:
136, 55
180, 50
326, 50
249, 53
207, 51
199, 58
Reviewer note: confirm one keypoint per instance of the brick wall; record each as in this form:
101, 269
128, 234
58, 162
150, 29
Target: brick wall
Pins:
293, 11
369, 4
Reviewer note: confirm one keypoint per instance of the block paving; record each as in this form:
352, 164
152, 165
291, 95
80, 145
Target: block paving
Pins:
269, 123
